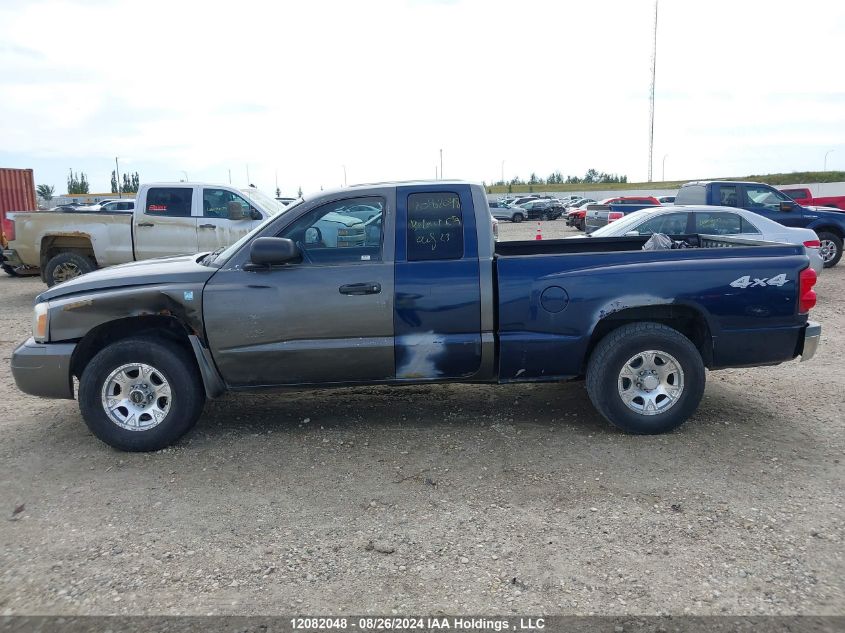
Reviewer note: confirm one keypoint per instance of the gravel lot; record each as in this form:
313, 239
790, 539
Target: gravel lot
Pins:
460, 499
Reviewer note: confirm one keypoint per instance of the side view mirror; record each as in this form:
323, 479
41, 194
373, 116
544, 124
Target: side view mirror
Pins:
254, 214
787, 206
272, 251
234, 210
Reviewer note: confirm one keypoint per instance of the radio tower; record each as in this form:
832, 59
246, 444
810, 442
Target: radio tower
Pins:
651, 99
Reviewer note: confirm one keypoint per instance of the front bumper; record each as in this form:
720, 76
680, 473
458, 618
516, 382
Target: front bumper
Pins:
11, 258
43, 369
812, 334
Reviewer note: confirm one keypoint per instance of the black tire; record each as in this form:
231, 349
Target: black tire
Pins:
517, 218
9, 270
171, 361
62, 266
624, 343
836, 242
544, 217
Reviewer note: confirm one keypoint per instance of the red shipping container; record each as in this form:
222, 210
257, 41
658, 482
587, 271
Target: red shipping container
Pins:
17, 193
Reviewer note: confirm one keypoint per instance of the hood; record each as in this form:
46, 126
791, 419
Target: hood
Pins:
817, 209
179, 269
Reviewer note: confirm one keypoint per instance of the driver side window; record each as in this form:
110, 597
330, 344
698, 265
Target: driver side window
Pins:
343, 231
218, 203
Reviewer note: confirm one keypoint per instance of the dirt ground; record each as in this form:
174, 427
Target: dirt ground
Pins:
455, 499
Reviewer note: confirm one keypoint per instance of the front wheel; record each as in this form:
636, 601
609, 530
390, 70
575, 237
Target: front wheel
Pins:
517, 218
645, 378
831, 248
141, 394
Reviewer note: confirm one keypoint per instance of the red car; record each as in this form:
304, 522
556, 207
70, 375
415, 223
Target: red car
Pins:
577, 217
804, 197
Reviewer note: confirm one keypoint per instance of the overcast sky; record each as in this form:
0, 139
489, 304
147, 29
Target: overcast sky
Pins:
303, 88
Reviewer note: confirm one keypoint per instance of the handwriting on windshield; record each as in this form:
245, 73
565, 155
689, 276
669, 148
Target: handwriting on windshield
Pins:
436, 203
431, 233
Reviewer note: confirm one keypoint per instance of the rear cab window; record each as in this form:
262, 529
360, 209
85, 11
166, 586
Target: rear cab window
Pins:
435, 226
691, 194
169, 201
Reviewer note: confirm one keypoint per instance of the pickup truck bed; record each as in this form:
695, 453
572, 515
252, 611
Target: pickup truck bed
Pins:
428, 297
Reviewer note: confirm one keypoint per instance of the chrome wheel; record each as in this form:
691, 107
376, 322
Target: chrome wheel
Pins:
827, 250
651, 382
136, 396
66, 271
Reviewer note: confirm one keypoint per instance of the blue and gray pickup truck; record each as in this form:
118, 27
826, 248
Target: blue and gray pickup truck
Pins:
426, 297
765, 200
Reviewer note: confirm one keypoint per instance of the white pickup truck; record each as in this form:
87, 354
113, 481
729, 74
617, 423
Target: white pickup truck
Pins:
168, 219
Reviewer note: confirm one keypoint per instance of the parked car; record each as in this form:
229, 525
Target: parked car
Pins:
168, 219
672, 220
517, 202
150, 341
767, 201
542, 210
805, 198
575, 214
125, 205
612, 209
511, 214
666, 199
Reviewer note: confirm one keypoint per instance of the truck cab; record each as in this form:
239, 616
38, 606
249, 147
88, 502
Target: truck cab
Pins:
771, 203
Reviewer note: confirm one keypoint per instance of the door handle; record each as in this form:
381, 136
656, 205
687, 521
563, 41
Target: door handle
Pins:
369, 288
145, 224
207, 226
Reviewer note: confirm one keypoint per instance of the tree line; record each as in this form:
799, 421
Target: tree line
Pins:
556, 178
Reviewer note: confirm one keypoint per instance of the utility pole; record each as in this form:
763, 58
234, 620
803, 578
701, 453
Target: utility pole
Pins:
503, 172
230, 176
344, 175
117, 173
651, 100
663, 176
435, 173
441, 163
825, 157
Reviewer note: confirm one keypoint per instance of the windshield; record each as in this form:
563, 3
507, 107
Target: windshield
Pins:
622, 226
271, 205
220, 258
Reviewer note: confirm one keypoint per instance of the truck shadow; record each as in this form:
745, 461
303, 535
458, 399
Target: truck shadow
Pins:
403, 407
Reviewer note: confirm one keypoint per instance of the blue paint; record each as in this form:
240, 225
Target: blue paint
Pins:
437, 311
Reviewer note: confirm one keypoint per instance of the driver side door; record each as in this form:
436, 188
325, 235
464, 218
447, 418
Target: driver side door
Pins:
326, 319
214, 227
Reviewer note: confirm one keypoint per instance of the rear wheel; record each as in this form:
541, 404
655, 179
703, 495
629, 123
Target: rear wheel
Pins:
66, 266
141, 394
831, 248
517, 218
645, 378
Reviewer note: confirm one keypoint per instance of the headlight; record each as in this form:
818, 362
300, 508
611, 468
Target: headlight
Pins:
40, 322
